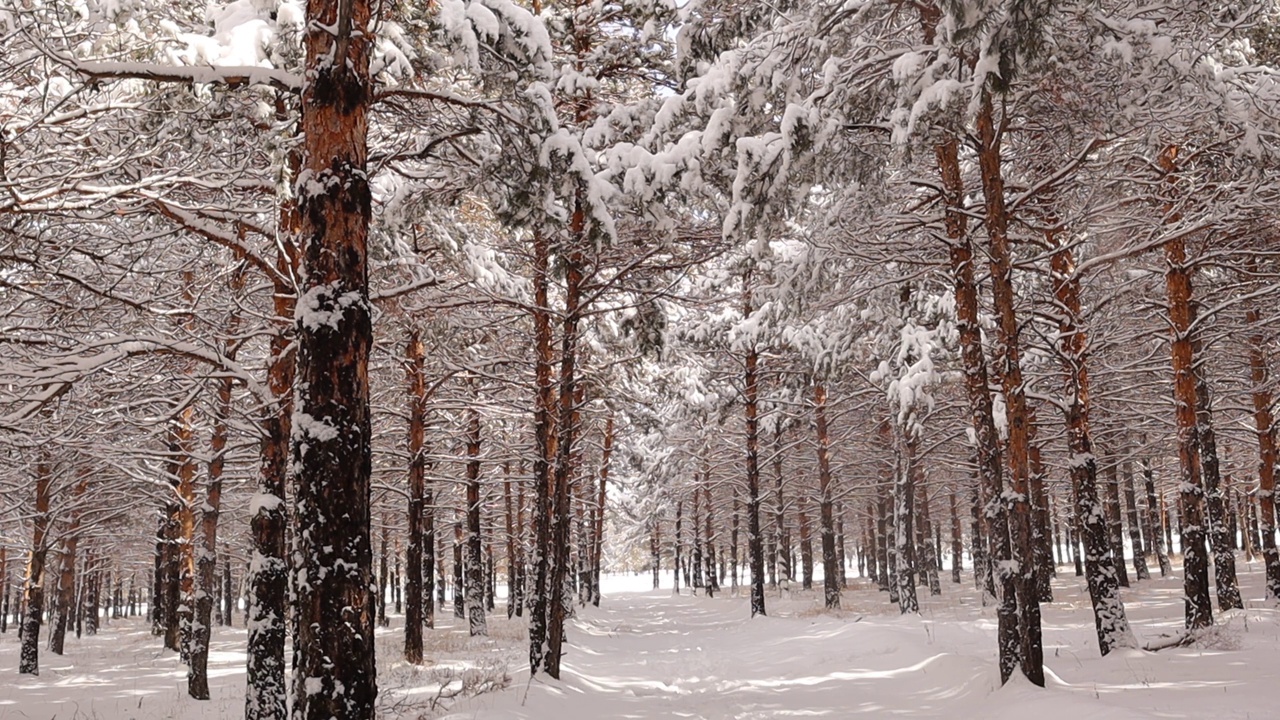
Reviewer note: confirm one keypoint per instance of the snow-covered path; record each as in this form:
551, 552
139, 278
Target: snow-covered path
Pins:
649, 655
652, 655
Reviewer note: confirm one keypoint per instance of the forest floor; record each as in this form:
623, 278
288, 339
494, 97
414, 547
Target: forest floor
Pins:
648, 654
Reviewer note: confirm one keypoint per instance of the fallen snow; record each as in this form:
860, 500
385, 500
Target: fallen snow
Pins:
648, 654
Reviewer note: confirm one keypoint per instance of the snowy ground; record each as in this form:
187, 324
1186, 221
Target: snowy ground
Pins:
646, 654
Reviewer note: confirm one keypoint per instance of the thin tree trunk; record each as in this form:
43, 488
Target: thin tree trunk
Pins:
1140, 571
751, 399
475, 580
1110, 620
415, 355
597, 535
562, 478
206, 580
1115, 528
957, 539
832, 570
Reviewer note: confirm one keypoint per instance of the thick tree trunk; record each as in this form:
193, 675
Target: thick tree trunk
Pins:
545, 451
990, 470
29, 653
832, 570
1221, 537
1199, 612
904, 518
331, 434
1008, 357
1110, 621
265, 581
562, 477
1264, 423
475, 580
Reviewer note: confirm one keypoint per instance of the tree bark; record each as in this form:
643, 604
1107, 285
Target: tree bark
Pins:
751, 400
990, 469
545, 451
415, 355
1264, 423
331, 433
29, 653
475, 580
1110, 620
832, 571
1198, 610
1140, 571
1008, 356
1221, 537
206, 580
597, 534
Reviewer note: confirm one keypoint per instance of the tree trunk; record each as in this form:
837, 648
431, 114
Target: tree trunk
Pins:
67, 573
1115, 528
1110, 620
331, 448
957, 540
206, 580
562, 477
597, 535
904, 512
475, 579
990, 470
832, 570
1221, 538
713, 585
806, 543
415, 356
266, 579
1264, 423
545, 451
29, 653
786, 570
1198, 610
1140, 571
751, 399
932, 545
